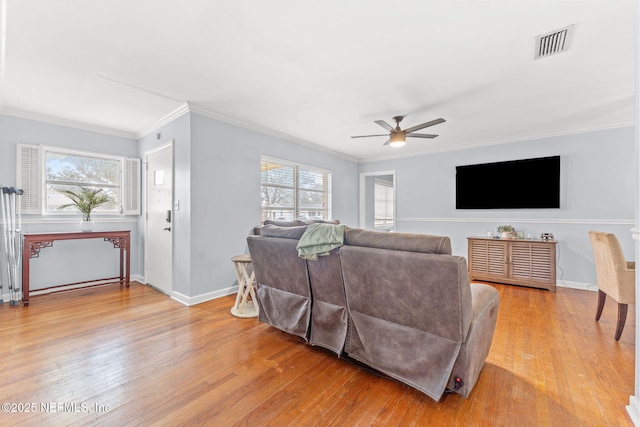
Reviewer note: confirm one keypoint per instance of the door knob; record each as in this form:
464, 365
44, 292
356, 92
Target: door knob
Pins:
167, 229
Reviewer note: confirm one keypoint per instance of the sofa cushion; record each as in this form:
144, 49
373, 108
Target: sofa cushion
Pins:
299, 222
422, 243
292, 223
409, 313
329, 305
282, 284
291, 232
473, 353
320, 221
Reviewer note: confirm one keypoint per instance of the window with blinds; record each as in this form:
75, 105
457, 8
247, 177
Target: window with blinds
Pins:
384, 216
292, 191
43, 171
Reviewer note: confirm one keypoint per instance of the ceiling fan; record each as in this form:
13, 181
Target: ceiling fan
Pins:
397, 136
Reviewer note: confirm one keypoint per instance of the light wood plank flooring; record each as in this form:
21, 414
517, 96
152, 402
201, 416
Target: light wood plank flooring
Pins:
105, 356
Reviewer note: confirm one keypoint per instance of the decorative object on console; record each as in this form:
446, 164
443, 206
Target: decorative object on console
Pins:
546, 236
506, 231
85, 200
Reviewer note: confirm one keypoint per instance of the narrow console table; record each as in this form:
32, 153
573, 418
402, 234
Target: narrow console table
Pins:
34, 242
513, 261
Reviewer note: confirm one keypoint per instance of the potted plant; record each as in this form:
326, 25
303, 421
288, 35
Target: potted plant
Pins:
506, 231
85, 199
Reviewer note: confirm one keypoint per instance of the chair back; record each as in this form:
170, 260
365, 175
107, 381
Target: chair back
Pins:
614, 275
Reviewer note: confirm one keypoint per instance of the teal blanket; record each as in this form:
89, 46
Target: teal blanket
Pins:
319, 239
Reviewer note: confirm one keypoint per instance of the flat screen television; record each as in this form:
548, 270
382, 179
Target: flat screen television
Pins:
516, 184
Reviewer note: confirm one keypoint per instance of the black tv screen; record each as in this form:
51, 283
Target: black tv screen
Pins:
516, 184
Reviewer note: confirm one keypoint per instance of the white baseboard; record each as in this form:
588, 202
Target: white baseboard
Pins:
6, 296
577, 285
633, 409
574, 285
198, 299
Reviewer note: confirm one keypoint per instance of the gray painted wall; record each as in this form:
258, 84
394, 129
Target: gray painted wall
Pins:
598, 190
67, 262
217, 182
225, 194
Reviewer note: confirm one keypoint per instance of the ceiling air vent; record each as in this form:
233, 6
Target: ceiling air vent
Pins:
554, 42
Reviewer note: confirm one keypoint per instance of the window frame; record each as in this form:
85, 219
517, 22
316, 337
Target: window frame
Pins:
31, 176
119, 187
326, 191
389, 200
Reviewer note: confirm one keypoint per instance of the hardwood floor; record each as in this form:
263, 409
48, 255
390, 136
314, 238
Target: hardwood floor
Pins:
105, 356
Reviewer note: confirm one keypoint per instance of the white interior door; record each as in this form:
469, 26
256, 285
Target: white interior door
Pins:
159, 218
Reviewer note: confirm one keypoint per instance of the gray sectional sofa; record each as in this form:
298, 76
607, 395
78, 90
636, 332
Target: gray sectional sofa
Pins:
399, 303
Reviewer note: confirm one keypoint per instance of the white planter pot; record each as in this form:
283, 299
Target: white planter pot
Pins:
86, 225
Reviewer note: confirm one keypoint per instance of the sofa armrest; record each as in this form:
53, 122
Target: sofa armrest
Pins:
475, 349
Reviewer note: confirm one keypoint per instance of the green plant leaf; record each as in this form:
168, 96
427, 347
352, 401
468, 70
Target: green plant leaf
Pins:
86, 199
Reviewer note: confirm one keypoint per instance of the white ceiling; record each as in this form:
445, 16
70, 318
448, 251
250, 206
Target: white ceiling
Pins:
319, 72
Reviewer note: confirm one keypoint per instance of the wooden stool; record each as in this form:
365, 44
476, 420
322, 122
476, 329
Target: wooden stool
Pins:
244, 307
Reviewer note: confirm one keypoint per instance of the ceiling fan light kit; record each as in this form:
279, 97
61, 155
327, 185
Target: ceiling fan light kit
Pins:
397, 139
397, 136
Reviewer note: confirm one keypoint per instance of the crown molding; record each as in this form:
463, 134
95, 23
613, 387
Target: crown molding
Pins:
194, 108
520, 138
190, 107
67, 123
586, 221
181, 110
554, 133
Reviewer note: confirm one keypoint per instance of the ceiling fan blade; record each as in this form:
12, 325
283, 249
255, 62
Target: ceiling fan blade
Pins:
385, 125
367, 136
424, 125
388, 142
421, 135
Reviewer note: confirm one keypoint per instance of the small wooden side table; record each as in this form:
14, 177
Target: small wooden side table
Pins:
246, 304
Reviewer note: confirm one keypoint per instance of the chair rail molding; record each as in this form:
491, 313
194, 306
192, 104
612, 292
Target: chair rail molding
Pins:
601, 221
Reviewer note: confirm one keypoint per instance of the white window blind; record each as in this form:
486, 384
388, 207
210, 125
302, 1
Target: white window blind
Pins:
28, 178
131, 177
384, 215
292, 191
